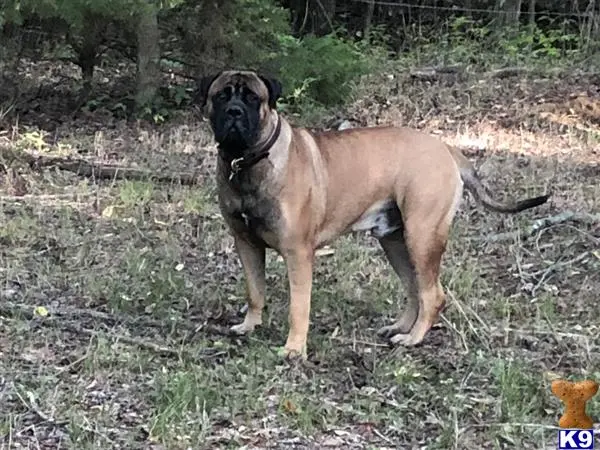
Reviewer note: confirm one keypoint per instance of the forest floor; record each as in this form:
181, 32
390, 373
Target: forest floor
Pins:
116, 294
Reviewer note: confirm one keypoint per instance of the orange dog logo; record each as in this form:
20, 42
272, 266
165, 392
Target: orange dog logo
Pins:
575, 395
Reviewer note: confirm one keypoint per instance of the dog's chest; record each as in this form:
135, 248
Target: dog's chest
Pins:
253, 211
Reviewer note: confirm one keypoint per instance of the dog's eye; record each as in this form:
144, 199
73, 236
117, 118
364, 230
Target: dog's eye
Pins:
224, 94
251, 97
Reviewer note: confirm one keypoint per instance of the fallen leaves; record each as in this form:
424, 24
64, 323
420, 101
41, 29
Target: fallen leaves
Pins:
40, 311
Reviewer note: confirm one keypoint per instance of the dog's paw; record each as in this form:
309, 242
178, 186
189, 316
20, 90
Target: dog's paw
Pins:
406, 339
402, 326
243, 328
388, 331
293, 355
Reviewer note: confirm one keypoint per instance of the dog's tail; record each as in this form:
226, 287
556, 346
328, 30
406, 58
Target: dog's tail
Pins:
480, 192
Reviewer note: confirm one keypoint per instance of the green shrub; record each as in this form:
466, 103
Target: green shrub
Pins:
464, 40
319, 69
255, 31
315, 71
535, 43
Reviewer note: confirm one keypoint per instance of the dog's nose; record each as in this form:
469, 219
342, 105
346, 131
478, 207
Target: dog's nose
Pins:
235, 111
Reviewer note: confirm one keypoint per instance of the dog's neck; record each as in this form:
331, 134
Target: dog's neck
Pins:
254, 154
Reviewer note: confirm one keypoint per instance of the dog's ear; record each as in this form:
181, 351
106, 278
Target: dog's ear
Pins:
203, 85
274, 87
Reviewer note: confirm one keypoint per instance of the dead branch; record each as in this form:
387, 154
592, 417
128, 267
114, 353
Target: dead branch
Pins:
57, 319
545, 222
32, 406
560, 264
131, 340
148, 345
69, 312
434, 73
98, 171
179, 73
507, 72
553, 267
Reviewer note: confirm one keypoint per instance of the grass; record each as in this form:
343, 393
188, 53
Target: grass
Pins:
140, 281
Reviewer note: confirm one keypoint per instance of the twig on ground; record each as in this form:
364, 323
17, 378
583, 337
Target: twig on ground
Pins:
545, 276
552, 268
559, 264
584, 233
133, 341
41, 197
529, 231
461, 308
138, 342
434, 73
529, 331
382, 436
554, 335
72, 312
99, 171
507, 72
457, 331
87, 426
74, 363
32, 406
79, 360
510, 424
357, 341
53, 320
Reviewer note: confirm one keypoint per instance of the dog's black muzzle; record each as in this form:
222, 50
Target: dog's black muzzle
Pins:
236, 113
235, 127
235, 110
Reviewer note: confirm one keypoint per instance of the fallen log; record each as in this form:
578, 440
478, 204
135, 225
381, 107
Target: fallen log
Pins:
98, 171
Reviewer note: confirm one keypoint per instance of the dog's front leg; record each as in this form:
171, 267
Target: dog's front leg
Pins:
252, 256
299, 263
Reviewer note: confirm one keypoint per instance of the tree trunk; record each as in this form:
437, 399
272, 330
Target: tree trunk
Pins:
468, 7
86, 43
531, 24
148, 56
323, 16
298, 14
532, 15
590, 29
369, 18
508, 13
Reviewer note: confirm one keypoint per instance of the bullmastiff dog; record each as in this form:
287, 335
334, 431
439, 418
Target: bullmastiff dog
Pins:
293, 190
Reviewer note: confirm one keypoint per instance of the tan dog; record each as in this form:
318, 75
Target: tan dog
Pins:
294, 191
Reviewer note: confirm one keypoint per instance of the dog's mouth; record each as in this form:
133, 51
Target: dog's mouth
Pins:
237, 125
235, 133
236, 129
236, 136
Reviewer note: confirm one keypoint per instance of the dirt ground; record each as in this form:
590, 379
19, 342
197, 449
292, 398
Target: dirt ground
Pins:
116, 294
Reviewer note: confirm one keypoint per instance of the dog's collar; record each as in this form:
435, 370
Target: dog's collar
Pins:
258, 154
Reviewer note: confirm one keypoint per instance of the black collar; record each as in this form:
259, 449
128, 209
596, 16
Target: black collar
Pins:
256, 154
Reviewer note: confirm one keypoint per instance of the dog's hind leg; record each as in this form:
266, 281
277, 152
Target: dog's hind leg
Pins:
427, 216
394, 248
426, 243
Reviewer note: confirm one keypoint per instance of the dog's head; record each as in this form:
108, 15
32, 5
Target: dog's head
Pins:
238, 105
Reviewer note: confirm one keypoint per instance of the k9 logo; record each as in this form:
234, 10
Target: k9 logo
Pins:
575, 439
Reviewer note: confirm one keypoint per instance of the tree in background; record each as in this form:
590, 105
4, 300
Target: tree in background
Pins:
148, 55
318, 47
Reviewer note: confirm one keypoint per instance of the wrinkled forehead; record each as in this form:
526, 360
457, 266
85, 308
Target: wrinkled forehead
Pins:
238, 80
